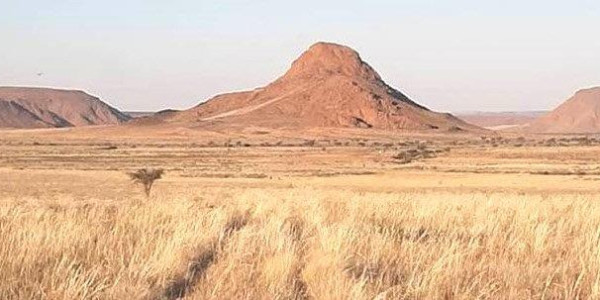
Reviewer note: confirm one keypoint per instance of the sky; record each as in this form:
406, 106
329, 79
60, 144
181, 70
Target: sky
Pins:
451, 56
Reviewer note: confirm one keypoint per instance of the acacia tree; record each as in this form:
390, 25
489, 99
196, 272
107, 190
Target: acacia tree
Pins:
146, 178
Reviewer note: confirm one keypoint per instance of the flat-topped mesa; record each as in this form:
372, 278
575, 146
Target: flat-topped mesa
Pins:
328, 59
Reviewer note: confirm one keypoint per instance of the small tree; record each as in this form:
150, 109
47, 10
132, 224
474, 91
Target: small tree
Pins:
146, 177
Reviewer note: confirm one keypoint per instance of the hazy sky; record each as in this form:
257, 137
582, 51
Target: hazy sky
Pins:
448, 55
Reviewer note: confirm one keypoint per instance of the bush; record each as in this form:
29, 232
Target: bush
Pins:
405, 157
310, 143
421, 152
146, 177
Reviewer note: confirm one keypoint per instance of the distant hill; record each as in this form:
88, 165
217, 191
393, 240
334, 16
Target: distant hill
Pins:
25, 107
579, 114
328, 86
500, 120
138, 114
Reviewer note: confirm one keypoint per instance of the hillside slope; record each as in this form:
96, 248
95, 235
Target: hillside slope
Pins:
328, 86
579, 114
24, 107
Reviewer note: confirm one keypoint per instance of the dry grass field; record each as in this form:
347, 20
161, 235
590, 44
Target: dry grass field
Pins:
273, 217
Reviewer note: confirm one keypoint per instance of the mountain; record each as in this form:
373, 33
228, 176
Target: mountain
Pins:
579, 114
24, 107
328, 86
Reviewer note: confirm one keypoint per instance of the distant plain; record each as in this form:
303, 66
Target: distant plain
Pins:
327, 214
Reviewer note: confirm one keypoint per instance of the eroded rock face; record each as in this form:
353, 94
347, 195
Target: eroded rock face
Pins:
328, 86
579, 114
25, 107
326, 59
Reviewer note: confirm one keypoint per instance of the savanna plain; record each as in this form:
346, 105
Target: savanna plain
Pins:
265, 216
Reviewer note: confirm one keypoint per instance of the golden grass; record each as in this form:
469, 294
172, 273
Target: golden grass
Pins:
302, 243
297, 222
